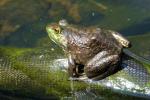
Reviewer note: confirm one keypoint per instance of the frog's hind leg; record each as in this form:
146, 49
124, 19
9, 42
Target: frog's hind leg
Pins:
102, 65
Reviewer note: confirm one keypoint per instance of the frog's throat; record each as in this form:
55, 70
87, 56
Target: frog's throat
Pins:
63, 41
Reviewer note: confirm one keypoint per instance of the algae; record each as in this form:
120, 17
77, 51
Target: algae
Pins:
30, 79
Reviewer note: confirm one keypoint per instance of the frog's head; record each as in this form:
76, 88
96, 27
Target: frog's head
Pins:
55, 34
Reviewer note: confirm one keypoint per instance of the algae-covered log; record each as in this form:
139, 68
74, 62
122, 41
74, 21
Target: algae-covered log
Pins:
31, 74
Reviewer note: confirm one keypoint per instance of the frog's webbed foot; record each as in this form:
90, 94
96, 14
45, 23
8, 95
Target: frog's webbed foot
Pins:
81, 78
102, 65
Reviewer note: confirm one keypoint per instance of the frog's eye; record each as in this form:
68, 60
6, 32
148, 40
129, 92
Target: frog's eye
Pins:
57, 30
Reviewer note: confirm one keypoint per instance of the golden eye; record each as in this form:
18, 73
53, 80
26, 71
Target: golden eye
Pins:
57, 30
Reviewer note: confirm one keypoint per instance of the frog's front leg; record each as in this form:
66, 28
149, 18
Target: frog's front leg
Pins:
102, 65
73, 67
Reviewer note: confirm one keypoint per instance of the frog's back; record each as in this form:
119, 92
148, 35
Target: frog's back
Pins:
84, 43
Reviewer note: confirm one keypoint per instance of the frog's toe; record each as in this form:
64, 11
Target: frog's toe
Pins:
81, 78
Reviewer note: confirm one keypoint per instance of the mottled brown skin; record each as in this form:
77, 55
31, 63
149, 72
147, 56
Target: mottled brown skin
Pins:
92, 51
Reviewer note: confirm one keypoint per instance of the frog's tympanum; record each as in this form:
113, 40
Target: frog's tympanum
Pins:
91, 51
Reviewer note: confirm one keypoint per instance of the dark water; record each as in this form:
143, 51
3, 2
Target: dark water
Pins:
22, 25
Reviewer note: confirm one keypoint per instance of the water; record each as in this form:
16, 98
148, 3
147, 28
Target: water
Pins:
33, 74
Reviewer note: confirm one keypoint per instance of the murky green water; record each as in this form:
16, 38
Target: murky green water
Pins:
30, 63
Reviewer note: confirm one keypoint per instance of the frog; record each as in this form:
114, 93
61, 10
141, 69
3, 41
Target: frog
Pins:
91, 51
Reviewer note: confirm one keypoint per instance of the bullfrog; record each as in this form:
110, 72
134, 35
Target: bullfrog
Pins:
91, 51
